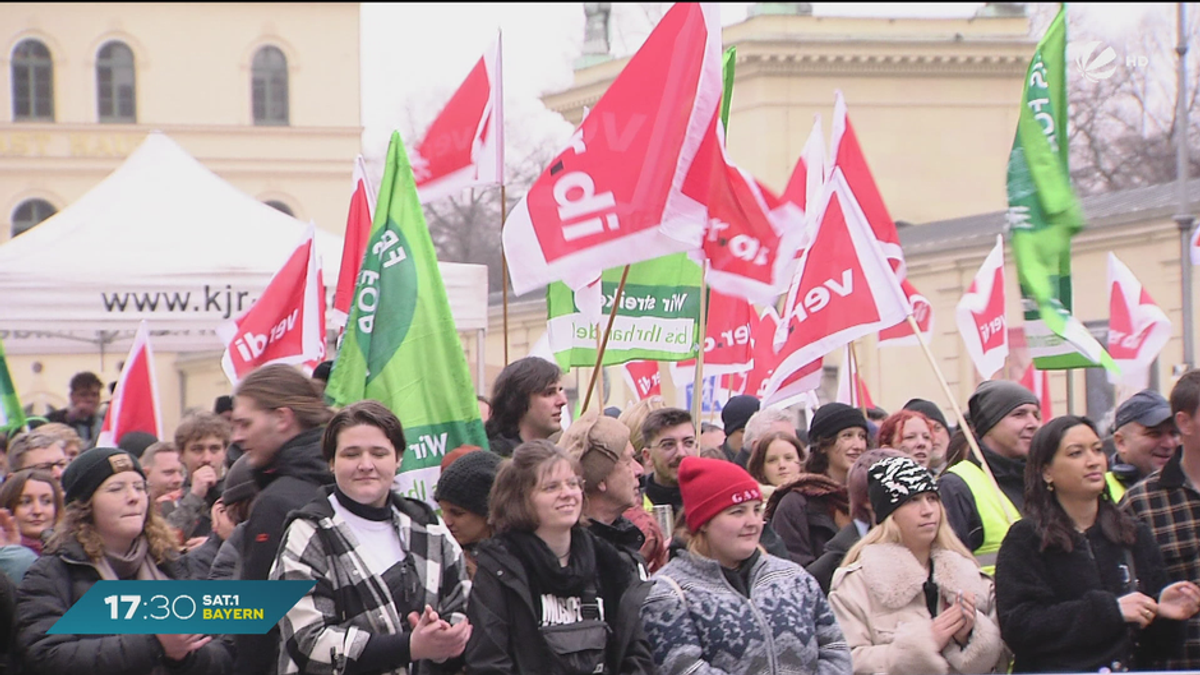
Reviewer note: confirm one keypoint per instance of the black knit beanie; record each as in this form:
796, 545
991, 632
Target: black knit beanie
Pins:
993, 400
893, 481
91, 468
468, 481
737, 412
928, 409
831, 418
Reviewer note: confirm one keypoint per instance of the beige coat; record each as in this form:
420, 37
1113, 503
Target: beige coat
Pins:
879, 602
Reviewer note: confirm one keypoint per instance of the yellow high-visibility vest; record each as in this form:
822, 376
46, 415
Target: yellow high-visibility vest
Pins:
991, 512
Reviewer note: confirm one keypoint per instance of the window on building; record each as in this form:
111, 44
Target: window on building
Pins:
30, 213
269, 87
32, 83
280, 206
115, 94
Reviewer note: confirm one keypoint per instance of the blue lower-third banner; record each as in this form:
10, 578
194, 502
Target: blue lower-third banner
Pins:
167, 607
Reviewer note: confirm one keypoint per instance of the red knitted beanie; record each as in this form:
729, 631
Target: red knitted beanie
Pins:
710, 486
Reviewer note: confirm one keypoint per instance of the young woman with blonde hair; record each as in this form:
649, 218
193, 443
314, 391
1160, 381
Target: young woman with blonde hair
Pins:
909, 596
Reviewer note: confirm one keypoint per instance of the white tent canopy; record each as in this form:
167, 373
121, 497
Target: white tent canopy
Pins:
164, 239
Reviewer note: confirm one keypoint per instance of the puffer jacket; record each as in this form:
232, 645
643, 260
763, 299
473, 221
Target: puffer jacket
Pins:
54, 583
699, 625
879, 601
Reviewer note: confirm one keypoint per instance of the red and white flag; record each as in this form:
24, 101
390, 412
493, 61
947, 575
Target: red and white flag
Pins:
1195, 246
643, 378
851, 389
808, 178
1138, 329
614, 195
134, 405
844, 288
464, 147
728, 344
980, 315
1038, 382
848, 159
791, 385
752, 235
285, 324
902, 333
354, 246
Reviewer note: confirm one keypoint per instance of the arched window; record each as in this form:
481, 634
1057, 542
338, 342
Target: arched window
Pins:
280, 206
269, 87
115, 93
32, 82
30, 213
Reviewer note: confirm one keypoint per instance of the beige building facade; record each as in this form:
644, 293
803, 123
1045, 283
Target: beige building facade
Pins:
934, 104
266, 95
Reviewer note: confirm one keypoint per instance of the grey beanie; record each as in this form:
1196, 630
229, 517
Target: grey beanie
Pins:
993, 400
467, 482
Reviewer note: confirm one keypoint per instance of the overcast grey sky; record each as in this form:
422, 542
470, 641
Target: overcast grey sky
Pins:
415, 54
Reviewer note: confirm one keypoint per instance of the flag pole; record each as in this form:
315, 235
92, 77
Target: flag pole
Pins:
612, 316
702, 327
962, 420
856, 391
504, 267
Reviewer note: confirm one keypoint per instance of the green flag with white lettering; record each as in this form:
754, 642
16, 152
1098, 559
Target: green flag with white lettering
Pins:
401, 346
1043, 213
11, 414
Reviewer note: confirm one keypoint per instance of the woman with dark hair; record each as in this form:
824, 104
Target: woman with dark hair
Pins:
391, 585
910, 432
723, 605
809, 511
776, 459
1081, 586
549, 596
35, 500
108, 533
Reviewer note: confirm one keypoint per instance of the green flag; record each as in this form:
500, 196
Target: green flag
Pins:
728, 62
401, 346
1043, 213
11, 414
656, 318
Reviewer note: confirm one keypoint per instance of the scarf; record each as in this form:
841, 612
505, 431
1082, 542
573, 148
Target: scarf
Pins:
135, 563
32, 544
379, 514
542, 568
812, 486
664, 494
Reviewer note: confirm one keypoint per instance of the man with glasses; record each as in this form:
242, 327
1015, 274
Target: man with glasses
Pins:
670, 435
36, 450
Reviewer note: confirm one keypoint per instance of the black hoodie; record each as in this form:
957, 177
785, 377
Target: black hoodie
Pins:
289, 482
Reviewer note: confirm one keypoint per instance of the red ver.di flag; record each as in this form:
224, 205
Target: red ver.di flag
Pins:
791, 385
354, 246
285, 325
643, 378
922, 311
1138, 329
980, 315
464, 147
614, 195
134, 405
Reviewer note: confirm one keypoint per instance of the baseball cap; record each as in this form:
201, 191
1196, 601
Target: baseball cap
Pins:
1147, 407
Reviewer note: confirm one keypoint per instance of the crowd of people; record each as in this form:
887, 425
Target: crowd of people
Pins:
634, 541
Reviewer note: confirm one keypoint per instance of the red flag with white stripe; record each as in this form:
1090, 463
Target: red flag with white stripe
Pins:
792, 383
464, 146
354, 245
980, 314
728, 343
643, 378
848, 159
902, 333
856, 394
1138, 329
134, 405
285, 324
614, 195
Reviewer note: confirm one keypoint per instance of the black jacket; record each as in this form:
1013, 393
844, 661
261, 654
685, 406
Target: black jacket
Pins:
835, 551
289, 482
54, 583
503, 445
804, 521
625, 536
505, 636
1058, 610
961, 511
199, 560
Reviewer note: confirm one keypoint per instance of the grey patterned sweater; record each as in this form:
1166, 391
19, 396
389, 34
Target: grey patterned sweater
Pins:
700, 625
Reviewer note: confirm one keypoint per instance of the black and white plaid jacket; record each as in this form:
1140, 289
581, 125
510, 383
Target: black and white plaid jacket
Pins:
333, 622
